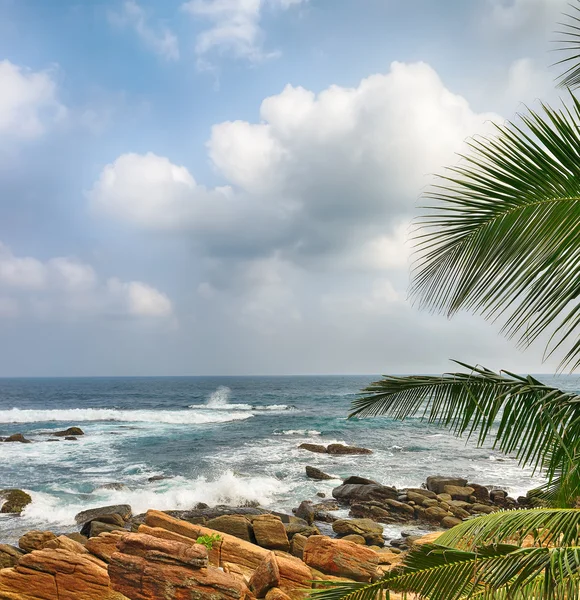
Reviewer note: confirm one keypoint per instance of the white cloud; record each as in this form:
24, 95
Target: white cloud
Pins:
141, 299
320, 175
28, 101
65, 287
521, 15
159, 39
235, 26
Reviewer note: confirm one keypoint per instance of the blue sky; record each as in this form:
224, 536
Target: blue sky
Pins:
226, 186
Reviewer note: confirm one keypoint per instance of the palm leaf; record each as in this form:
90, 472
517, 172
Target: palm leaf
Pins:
569, 44
539, 423
501, 237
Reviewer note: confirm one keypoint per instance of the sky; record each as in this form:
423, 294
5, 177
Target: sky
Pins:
226, 187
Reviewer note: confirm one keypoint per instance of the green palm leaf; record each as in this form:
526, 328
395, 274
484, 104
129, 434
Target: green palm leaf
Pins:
569, 43
539, 423
502, 238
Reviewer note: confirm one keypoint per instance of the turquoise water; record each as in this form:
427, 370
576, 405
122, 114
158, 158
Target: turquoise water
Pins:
217, 439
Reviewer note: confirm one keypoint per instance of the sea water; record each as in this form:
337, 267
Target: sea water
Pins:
225, 440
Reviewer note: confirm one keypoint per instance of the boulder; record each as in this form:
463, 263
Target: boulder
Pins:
265, 577
297, 545
17, 437
70, 432
277, 594
314, 473
340, 558
480, 492
437, 483
293, 529
436, 514
371, 531
77, 537
318, 448
321, 494
57, 575
497, 495
65, 543
105, 544
399, 507
364, 493
458, 493
306, 511
147, 568
9, 556
35, 540
71, 438
123, 510
14, 500
237, 525
95, 528
270, 533
114, 485
450, 522
342, 449
356, 539
421, 492
483, 509
360, 480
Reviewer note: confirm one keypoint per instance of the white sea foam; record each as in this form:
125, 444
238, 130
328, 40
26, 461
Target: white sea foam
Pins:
77, 415
220, 400
298, 432
177, 493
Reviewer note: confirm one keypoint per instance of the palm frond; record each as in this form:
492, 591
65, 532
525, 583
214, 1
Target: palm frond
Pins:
501, 237
569, 44
539, 423
545, 526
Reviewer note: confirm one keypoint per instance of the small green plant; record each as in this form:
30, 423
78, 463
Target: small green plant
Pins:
208, 540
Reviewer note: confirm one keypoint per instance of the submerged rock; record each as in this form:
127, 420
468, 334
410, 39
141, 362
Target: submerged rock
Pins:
71, 431
14, 501
17, 437
319, 448
342, 449
314, 473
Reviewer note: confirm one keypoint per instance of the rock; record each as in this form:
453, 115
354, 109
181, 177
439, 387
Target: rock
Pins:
321, 494
342, 449
161, 478
57, 575
364, 493
340, 558
480, 492
202, 513
437, 483
325, 505
444, 497
314, 473
113, 486
354, 479
421, 492
65, 543
460, 513
434, 513
105, 544
123, 510
237, 525
497, 495
483, 509
70, 432
371, 532
265, 577
277, 594
9, 556
427, 502
355, 539
458, 493
95, 528
293, 529
77, 537
270, 533
146, 568
430, 538
71, 438
297, 545
373, 510
35, 540
450, 522
17, 437
319, 448
14, 500
400, 507
306, 512
324, 517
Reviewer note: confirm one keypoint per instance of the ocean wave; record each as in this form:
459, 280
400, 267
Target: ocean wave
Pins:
298, 432
78, 415
243, 407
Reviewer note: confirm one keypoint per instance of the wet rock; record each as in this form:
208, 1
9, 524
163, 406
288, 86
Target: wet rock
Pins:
314, 473
371, 531
354, 479
237, 525
459, 493
340, 558
306, 512
329, 504
113, 486
14, 501
270, 533
342, 449
123, 510
321, 494
35, 540
17, 437
497, 495
9, 556
202, 512
437, 483
480, 492
324, 517
364, 493
265, 577
319, 448
71, 438
71, 431
163, 477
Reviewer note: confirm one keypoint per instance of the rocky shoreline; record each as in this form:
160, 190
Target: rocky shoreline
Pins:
245, 551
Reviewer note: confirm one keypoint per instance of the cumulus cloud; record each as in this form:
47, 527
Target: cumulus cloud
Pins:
65, 287
28, 102
319, 177
158, 38
235, 26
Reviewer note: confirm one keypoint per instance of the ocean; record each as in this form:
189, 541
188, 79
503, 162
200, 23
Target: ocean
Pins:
217, 440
